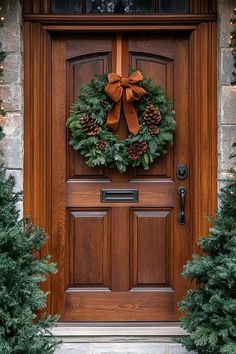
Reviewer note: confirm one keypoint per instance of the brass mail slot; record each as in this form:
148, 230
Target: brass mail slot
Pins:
119, 195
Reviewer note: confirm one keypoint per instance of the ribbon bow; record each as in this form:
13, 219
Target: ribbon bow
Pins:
127, 89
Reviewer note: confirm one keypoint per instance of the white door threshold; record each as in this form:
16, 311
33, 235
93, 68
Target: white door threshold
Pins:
121, 329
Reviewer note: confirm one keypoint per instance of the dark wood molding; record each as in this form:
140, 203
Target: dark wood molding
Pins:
95, 20
117, 28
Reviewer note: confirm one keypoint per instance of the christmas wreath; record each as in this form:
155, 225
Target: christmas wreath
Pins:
96, 113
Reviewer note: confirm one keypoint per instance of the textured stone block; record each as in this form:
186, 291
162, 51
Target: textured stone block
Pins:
13, 152
129, 348
225, 66
227, 105
228, 137
12, 97
12, 11
11, 31
11, 37
178, 349
74, 348
225, 13
13, 126
13, 70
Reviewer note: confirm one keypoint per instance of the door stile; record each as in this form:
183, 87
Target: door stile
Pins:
204, 143
181, 248
59, 244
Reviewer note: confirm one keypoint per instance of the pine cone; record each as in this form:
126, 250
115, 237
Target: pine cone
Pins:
153, 130
152, 115
102, 145
137, 149
89, 125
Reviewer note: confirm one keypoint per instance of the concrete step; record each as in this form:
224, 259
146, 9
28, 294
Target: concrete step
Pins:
121, 348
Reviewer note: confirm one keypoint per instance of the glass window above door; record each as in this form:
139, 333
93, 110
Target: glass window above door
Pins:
66, 6
119, 6
174, 6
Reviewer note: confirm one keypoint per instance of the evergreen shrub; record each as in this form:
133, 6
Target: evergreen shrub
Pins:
211, 307
21, 273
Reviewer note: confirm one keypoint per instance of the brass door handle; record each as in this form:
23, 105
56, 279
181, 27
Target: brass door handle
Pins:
182, 191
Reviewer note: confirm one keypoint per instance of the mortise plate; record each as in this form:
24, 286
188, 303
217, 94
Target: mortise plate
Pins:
119, 195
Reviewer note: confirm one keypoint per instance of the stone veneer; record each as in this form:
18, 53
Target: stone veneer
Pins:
11, 91
226, 93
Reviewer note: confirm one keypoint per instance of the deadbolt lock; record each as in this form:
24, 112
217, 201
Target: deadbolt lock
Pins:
182, 172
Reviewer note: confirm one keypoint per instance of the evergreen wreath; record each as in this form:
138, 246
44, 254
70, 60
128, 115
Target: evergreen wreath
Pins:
100, 146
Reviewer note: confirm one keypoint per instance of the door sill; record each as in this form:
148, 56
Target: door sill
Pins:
118, 329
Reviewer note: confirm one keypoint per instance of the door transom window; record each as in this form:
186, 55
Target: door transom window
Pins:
119, 6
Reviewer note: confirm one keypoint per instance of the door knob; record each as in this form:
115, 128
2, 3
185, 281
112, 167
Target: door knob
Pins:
182, 191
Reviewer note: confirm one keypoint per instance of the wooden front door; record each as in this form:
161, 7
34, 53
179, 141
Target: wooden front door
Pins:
119, 261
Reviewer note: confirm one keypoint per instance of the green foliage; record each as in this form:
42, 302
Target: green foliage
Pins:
20, 275
233, 47
211, 306
94, 101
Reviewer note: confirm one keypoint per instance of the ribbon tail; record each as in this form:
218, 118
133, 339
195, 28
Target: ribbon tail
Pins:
113, 116
131, 116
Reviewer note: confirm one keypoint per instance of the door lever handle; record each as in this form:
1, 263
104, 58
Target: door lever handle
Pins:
182, 191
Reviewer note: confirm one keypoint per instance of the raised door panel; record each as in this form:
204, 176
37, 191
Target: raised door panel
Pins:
90, 249
150, 250
80, 71
158, 68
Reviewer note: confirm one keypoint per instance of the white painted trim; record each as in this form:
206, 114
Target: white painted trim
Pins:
118, 329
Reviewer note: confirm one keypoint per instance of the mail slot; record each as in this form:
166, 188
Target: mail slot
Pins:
119, 195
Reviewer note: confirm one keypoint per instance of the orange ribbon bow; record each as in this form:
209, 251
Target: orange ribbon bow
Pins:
126, 88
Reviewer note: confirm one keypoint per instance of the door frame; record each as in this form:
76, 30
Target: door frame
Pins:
38, 32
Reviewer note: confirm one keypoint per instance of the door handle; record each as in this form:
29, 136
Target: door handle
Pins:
182, 191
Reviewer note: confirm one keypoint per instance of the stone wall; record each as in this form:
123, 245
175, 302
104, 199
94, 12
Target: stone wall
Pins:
226, 93
11, 90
